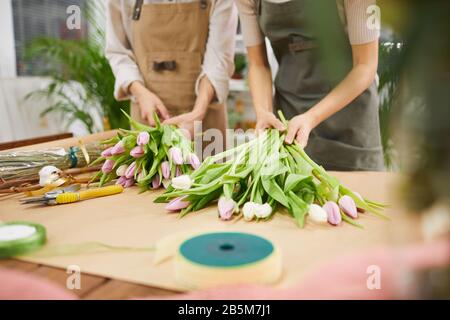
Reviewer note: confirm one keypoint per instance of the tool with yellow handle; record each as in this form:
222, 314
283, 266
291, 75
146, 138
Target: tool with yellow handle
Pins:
69, 195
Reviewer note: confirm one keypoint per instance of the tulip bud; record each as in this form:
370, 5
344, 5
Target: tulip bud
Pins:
249, 210
333, 213
49, 175
156, 182
107, 152
226, 208
108, 166
137, 152
165, 169
194, 161
176, 155
348, 206
317, 214
129, 183
140, 176
121, 170
121, 180
130, 170
143, 138
263, 211
183, 182
118, 149
177, 204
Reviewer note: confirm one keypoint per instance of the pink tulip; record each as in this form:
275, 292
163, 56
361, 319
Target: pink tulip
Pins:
348, 206
129, 183
194, 161
137, 152
143, 138
118, 148
130, 170
156, 183
176, 155
333, 212
226, 208
121, 181
108, 166
177, 204
165, 169
107, 152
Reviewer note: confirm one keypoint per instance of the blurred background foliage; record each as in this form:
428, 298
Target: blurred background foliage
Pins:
421, 113
82, 82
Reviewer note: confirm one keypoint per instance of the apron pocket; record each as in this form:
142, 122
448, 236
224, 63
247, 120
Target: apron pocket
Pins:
187, 66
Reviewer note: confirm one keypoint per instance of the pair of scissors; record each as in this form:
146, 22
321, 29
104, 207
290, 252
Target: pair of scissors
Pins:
73, 194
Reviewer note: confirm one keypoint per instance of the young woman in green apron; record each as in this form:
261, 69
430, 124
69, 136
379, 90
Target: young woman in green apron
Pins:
334, 116
174, 57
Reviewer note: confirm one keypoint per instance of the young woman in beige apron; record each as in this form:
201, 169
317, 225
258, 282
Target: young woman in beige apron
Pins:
336, 119
168, 41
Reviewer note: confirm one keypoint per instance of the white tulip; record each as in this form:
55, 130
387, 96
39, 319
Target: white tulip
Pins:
263, 210
183, 182
48, 175
249, 210
317, 214
121, 170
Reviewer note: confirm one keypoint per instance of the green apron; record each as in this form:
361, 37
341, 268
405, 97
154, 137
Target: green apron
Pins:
350, 139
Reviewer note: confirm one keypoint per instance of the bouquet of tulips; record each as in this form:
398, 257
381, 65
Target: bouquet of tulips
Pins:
147, 156
254, 179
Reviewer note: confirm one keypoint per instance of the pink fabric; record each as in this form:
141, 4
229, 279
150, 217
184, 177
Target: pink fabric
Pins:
346, 277
16, 285
343, 278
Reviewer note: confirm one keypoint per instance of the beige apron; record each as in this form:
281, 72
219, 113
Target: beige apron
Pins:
169, 42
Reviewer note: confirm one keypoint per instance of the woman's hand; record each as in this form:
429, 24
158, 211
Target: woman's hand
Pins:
187, 121
266, 119
299, 129
206, 94
148, 103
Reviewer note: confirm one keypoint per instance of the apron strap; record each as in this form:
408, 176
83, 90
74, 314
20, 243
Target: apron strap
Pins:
137, 9
257, 7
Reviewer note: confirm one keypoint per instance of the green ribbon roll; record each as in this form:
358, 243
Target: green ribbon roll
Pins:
225, 258
18, 238
227, 249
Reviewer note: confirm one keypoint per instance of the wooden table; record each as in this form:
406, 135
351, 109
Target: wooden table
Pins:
93, 287
99, 287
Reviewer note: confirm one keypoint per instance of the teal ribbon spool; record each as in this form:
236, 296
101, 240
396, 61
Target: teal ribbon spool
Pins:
227, 249
226, 258
13, 244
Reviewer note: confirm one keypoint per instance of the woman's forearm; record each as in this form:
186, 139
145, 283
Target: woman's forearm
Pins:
260, 82
205, 96
357, 80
